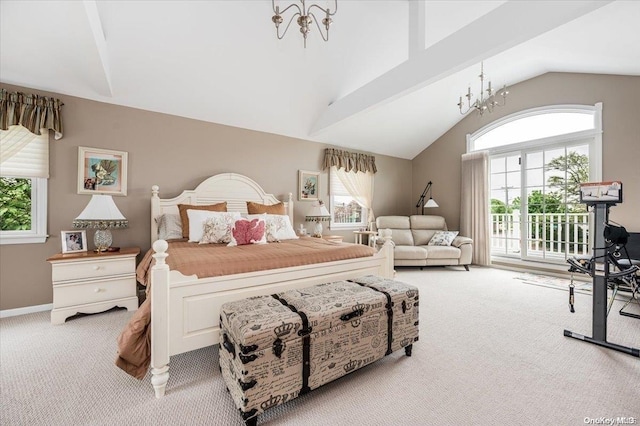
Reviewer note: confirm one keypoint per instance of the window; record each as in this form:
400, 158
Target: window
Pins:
346, 212
538, 158
24, 169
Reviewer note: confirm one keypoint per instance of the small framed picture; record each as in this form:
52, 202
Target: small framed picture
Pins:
74, 241
308, 185
102, 171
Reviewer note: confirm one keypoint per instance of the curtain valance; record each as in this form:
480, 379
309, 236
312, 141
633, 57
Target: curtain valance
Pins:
33, 112
349, 161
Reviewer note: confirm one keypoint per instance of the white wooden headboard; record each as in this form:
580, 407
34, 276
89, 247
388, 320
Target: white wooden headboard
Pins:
233, 188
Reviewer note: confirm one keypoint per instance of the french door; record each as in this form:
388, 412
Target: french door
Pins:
535, 209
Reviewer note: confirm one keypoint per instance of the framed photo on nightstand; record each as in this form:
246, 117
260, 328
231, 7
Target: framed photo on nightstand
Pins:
74, 241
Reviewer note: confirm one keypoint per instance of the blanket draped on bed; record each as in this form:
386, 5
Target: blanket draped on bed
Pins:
212, 260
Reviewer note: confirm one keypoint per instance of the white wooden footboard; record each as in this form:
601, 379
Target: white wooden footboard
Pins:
185, 310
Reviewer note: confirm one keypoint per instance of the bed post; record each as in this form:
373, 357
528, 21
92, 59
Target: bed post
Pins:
290, 207
160, 319
387, 249
155, 212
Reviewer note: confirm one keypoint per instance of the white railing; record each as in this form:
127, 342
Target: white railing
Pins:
549, 236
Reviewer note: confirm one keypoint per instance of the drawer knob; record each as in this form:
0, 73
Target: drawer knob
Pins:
98, 290
97, 268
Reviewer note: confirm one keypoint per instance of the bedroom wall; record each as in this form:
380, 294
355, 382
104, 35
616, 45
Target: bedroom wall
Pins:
176, 154
440, 162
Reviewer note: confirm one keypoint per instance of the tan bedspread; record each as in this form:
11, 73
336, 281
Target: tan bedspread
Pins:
210, 260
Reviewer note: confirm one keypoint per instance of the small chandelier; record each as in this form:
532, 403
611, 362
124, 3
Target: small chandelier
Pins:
483, 104
305, 19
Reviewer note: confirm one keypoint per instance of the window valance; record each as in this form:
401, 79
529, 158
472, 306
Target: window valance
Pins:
350, 161
33, 112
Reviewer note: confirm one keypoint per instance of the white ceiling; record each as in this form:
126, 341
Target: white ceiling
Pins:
387, 81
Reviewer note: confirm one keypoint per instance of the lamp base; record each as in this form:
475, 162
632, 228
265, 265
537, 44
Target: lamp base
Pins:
102, 239
317, 230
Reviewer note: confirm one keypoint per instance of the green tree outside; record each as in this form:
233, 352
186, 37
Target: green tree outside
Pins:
15, 204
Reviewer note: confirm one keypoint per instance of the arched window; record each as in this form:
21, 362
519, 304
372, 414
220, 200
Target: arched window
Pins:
538, 157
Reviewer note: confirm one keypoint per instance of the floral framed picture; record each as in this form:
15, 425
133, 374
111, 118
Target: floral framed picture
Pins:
308, 185
102, 171
74, 241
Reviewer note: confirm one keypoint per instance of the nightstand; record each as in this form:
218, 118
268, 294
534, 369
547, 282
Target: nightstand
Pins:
91, 282
332, 238
370, 234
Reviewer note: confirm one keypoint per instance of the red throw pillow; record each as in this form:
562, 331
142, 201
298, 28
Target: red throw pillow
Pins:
248, 232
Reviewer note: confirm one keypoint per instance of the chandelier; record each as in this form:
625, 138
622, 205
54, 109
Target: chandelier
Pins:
483, 104
305, 19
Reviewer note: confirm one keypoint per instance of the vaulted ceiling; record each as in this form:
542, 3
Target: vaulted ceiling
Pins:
387, 81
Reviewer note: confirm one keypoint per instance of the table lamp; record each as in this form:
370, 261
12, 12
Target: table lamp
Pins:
101, 214
318, 214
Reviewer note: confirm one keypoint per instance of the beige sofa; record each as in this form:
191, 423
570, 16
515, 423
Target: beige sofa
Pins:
411, 236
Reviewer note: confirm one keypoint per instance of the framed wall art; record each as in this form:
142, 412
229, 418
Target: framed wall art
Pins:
308, 185
102, 171
74, 241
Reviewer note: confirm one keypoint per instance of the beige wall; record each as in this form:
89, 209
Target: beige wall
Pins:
176, 154
440, 162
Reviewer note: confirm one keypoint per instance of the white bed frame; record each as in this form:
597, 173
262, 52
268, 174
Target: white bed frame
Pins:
185, 309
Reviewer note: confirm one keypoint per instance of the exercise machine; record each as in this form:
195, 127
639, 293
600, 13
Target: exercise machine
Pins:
599, 198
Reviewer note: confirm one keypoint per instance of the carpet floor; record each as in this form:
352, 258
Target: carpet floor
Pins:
491, 351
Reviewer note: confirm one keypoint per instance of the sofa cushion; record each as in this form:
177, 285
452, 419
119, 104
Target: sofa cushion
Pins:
409, 253
443, 238
422, 236
427, 221
441, 252
402, 237
393, 222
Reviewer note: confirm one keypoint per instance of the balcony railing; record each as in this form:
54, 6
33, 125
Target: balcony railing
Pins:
555, 236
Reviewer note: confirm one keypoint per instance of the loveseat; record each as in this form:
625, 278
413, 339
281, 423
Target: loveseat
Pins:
418, 242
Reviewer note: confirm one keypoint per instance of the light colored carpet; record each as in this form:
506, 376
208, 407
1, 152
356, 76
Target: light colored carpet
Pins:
491, 351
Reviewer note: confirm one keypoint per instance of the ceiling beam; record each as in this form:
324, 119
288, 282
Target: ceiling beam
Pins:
417, 27
508, 25
91, 7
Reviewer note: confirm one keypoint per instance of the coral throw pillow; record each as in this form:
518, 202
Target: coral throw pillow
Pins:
248, 232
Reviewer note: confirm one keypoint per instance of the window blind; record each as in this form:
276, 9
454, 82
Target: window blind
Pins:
335, 184
23, 154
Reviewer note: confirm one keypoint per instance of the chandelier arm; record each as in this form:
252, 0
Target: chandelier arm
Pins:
280, 37
325, 11
319, 28
273, 5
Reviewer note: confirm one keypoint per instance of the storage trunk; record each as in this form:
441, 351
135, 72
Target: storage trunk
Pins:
277, 347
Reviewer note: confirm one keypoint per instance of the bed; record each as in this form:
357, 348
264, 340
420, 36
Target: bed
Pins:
185, 309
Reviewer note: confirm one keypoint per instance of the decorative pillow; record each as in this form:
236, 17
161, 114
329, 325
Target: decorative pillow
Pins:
222, 222
248, 232
221, 207
257, 208
169, 227
442, 238
278, 227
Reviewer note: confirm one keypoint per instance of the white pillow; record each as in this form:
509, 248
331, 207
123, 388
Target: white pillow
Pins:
169, 226
442, 238
222, 222
279, 227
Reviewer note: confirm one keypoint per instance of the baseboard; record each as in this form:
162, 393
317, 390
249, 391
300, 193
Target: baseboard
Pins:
26, 310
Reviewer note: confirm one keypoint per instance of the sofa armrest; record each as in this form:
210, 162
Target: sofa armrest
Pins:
458, 241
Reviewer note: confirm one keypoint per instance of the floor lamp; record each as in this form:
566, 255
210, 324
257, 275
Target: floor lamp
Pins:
430, 203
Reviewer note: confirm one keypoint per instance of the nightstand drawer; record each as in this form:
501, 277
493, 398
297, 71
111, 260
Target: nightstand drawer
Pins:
95, 291
91, 269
